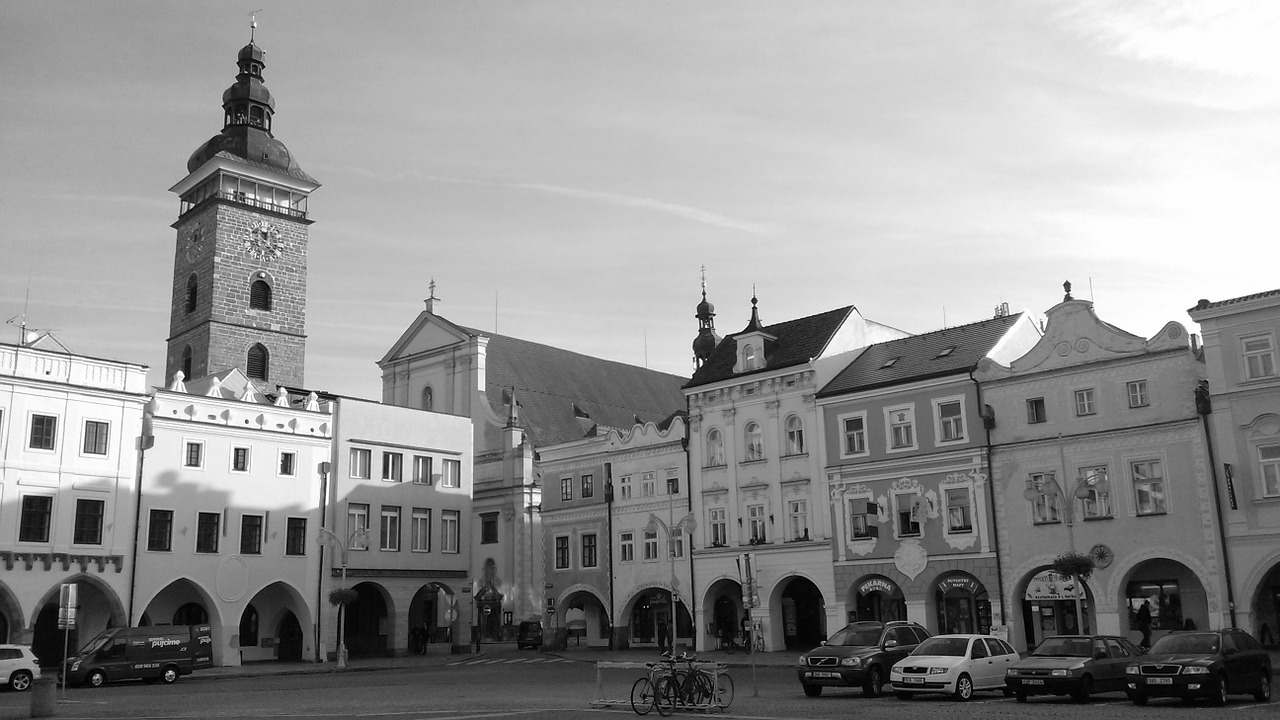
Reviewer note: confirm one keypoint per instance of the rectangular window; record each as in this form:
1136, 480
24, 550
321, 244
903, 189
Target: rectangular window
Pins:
1259, 357
451, 473
488, 528
295, 536
673, 482
389, 529
207, 527
37, 516
160, 531
756, 523
1148, 487
909, 512
392, 466
648, 485
566, 489
1045, 504
89, 515
719, 531
194, 455
562, 552
288, 463
677, 542
950, 421
959, 510
421, 470
240, 459
1093, 490
624, 488
855, 435
860, 511
627, 547
1269, 460
798, 519
360, 460
95, 437
902, 427
650, 545
250, 534
358, 525
588, 486
44, 432
589, 550
449, 530
1036, 412
1137, 390
420, 530
1085, 403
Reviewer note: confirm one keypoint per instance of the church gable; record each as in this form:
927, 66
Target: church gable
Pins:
428, 332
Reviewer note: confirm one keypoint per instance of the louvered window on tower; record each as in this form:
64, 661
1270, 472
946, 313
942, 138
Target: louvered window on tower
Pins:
259, 295
192, 293
257, 364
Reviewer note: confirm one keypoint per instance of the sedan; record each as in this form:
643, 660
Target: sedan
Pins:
1208, 664
1075, 665
18, 667
955, 665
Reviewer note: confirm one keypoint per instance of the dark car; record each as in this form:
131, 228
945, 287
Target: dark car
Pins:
1075, 665
859, 655
529, 635
1205, 663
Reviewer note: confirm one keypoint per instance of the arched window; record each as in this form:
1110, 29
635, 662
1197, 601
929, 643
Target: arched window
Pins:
754, 442
748, 357
255, 115
249, 627
186, 362
795, 435
259, 295
258, 362
715, 448
193, 292
428, 398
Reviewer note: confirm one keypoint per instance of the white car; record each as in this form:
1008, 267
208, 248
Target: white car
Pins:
953, 665
18, 667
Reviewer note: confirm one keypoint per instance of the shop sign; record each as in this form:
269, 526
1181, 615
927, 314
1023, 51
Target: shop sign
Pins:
960, 582
877, 585
1049, 585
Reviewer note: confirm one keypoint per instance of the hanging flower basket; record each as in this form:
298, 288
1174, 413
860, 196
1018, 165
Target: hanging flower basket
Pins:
342, 596
1073, 564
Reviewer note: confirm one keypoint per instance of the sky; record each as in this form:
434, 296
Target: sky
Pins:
564, 170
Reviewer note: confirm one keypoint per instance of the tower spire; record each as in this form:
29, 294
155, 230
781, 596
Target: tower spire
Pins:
707, 338
253, 24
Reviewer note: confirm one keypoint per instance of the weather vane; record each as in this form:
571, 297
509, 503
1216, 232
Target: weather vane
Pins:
253, 24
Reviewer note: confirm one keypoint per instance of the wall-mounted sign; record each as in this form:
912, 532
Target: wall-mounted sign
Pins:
1049, 585
877, 584
960, 582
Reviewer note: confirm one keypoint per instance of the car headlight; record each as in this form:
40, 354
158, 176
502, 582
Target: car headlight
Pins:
803, 661
937, 671
1195, 670
1131, 670
1060, 672
1011, 672
851, 661
75, 666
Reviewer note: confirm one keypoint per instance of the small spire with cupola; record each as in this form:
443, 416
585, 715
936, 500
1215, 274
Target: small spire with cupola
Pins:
707, 339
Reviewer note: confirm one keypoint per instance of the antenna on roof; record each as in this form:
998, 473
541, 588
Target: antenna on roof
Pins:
253, 24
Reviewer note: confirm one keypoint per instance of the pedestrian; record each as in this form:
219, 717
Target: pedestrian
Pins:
1143, 621
746, 631
662, 634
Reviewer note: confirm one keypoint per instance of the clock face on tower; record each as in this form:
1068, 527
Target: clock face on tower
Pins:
263, 241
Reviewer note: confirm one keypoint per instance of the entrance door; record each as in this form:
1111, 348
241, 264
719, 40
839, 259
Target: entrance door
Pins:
290, 634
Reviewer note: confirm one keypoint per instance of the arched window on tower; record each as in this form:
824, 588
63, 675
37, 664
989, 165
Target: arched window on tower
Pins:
186, 362
748, 357
259, 295
255, 115
258, 362
193, 293
428, 398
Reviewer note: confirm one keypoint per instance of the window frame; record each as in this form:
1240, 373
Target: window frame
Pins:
420, 462
101, 437
198, 446
1103, 501
757, 523
48, 432
752, 442
797, 518
358, 526
859, 515
392, 466
714, 445
1271, 464
1160, 496
969, 522
904, 526
588, 485
793, 428
566, 488
420, 530
648, 484
237, 451
1267, 357
206, 521
450, 473
561, 552
1085, 401
842, 424
153, 529
289, 468
1136, 390
717, 526
360, 463
649, 547
389, 528
906, 420
958, 422
450, 531
79, 525
295, 536
1050, 501
626, 546
488, 528
1037, 411
27, 517
251, 534
624, 487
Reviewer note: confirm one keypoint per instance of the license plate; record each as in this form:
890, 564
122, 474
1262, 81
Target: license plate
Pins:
821, 674
913, 680
1032, 682
1159, 681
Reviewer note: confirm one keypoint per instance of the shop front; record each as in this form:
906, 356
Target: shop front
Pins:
1049, 607
876, 597
962, 605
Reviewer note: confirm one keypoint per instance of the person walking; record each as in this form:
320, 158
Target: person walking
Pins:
663, 645
1143, 621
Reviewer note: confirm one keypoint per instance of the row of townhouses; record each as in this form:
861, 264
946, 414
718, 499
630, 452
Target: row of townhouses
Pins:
810, 472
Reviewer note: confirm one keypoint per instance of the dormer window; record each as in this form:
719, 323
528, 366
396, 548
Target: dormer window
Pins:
944, 352
748, 357
890, 362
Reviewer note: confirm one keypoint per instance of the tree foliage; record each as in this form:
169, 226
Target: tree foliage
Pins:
1073, 564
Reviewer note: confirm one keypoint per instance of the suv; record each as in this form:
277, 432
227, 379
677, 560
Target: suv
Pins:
1201, 663
529, 634
859, 655
18, 667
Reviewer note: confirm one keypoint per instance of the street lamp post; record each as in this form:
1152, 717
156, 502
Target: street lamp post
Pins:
327, 536
686, 525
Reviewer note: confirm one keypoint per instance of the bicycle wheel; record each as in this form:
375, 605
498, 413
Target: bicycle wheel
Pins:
664, 695
724, 690
642, 695
701, 691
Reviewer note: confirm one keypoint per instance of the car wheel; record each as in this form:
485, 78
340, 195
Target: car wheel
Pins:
97, 678
1083, 690
874, 684
1264, 689
169, 675
1008, 692
1220, 692
1137, 698
902, 695
19, 681
964, 688
811, 690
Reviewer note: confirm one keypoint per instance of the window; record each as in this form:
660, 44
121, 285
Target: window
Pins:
748, 357
588, 486
1093, 491
193, 293
854, 430
288, 461
389, 529
566, 489
673, 481
1044, 498
902, 427
37, 515
860, 511
1036, 411
449, 530
160, 531
44, 430
360, 461
194, 455
756, 523
950, 415
392, 466
627, 547
562, 552
677, 542
240, 459
251, 535
718, 529
1269, 461
421, 470
420, 529
249, 627
95, 437
207, 526
959, 510
909, 512
186, 361
648, 486
357, 524
1259, 357
88, 528
798, 519
428, 399
488, 528
258, 362
624, 487
715, 449
295, 536
650, 545
451, 473
1137, 390
1085, 403
259, 295
1148, 487
754, 447
795, 435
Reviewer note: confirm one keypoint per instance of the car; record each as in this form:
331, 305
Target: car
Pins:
18, 667
955, 665
529, 635
858, 655
1075, 665
1201, 664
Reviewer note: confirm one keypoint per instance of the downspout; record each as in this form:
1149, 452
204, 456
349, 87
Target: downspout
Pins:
1204, 406
608, 499
145, 441
688, 483
988, 422
324, 503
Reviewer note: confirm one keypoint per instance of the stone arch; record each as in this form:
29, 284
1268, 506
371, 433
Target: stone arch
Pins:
582, 602
370, 621
12, 615
720, 609
642, 608
98, 609
177, 592
1123, 569
797, 613
274, 603
432, 616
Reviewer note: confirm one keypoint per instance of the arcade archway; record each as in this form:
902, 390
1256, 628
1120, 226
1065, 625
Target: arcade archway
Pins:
803, 614
368, 622
1266, 609
722, 606
98, 609
1162, 595
432, 612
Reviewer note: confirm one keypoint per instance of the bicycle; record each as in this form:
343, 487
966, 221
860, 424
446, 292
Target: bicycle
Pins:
644, 692
695, 686
727, 643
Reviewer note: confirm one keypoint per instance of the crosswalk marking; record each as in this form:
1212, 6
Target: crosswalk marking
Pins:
511, 661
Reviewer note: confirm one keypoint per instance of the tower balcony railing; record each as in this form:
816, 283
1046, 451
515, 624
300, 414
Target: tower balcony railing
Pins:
244, 199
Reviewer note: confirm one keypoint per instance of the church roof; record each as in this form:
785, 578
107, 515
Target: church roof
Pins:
798, 342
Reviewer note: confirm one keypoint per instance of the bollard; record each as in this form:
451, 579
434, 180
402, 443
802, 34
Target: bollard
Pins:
43, 695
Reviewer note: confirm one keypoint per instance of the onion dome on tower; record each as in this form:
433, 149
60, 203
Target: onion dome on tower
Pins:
707, 338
